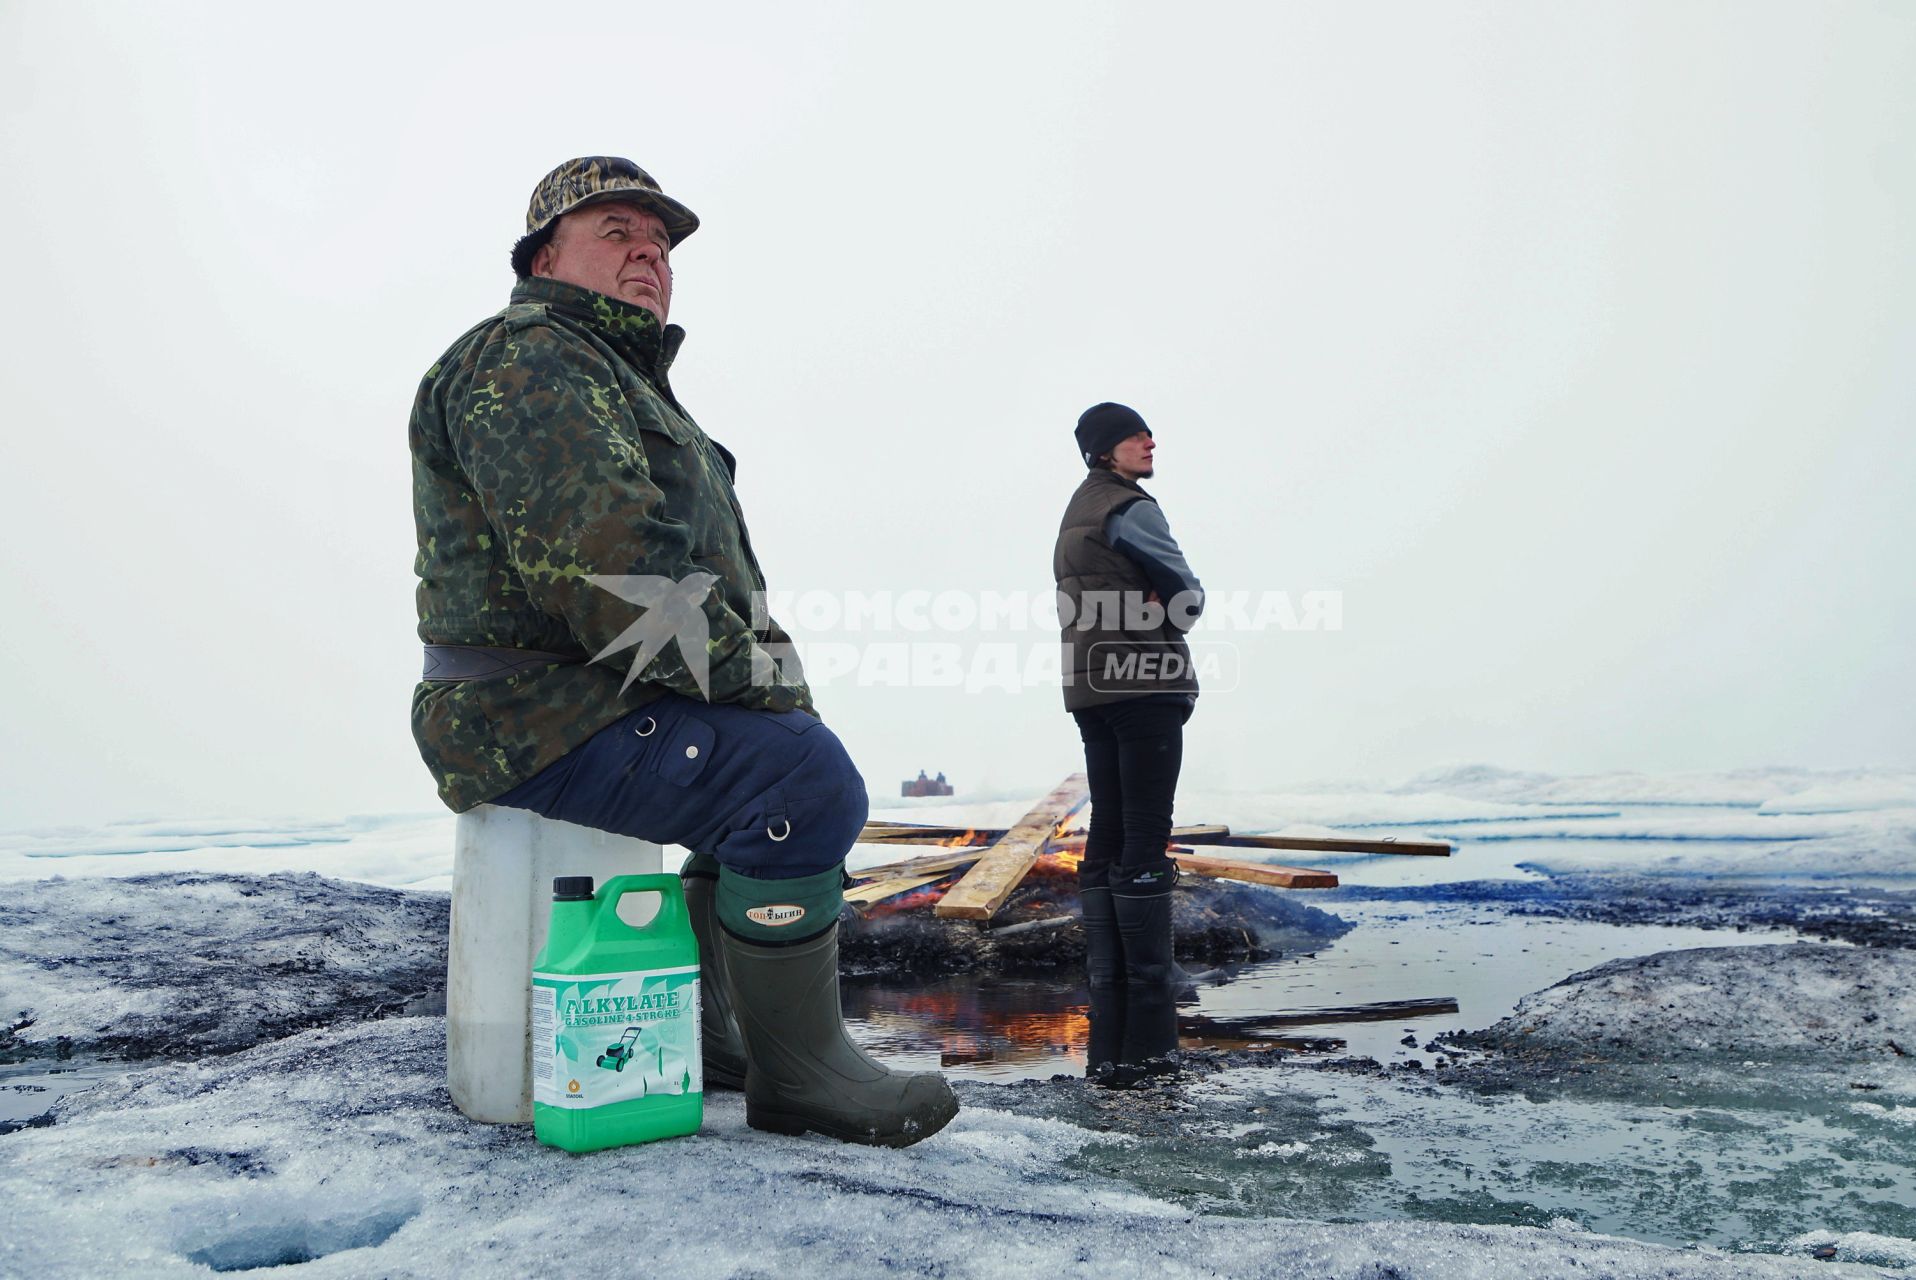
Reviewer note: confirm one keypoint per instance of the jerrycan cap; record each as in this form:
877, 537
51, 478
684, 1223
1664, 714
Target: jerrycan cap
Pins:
572, 889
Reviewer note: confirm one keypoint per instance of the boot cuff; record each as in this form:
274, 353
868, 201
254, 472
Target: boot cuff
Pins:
777, 913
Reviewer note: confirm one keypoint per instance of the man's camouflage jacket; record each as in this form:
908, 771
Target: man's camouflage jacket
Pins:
547, 447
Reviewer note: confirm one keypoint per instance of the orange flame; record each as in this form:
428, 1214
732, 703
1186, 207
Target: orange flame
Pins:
1064, 855
1065, 849
911, 901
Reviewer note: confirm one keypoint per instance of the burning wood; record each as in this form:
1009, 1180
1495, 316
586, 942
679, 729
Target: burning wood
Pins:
1214, 923
891, 887
990, 881
1000, 858
1071, 848
911, 833
946, 862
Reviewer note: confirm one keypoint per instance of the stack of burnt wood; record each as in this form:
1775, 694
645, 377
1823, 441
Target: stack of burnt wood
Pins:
1007, 899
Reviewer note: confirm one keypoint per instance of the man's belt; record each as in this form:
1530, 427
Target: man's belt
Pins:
448, 663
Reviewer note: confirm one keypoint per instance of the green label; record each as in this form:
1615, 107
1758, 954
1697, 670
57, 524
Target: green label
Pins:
601, 1038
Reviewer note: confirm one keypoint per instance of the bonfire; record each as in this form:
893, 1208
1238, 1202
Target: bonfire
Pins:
1007, 900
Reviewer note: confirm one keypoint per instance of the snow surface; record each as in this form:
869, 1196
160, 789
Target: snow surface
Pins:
1760, 823
340, 1145
408, 851
1860, 1246
1798, 998
1765, 822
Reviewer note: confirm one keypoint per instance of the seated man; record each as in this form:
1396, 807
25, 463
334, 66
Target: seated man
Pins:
569, 509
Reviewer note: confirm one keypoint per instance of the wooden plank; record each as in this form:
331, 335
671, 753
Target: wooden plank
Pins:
1197, 864
903, 831
1255, 872
879, 890
921, 866
1033, 926
1205, 833
985, 887
1316, 844
915, 833
1385, 1011
952, 840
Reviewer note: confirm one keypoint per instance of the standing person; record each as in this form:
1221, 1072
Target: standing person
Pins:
1126, 597
567, 508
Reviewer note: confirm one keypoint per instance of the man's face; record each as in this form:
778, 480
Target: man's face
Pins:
1132, 458
614, 248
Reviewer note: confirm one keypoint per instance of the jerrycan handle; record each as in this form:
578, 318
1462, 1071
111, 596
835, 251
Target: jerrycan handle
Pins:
671, 912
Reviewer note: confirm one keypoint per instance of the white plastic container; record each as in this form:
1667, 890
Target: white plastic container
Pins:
503, 864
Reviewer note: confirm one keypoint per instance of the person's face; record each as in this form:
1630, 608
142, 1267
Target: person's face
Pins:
1132, 457
613, 248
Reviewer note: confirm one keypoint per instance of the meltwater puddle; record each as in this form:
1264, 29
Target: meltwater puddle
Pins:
1355, 1127
28, 1090
1408, 970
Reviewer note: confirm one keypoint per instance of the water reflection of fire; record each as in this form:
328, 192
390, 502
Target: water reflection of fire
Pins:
1011, 1023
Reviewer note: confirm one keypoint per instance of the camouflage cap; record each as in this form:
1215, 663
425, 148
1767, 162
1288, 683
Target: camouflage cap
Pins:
593, 180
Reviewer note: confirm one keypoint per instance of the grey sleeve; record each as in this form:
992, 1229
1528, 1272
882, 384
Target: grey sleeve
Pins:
1140, 532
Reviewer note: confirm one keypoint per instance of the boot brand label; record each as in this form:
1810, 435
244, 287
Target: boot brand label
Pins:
610, 1037
776, 915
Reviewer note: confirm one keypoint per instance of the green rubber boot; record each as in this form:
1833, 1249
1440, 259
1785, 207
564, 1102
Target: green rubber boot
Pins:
721, 1047
805, 1073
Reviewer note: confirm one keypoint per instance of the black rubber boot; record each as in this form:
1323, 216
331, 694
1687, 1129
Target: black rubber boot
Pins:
805, 1072
1150, 988
721, 1047
1104, 969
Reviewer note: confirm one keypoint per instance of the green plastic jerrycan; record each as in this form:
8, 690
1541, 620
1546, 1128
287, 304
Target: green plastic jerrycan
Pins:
615, 1019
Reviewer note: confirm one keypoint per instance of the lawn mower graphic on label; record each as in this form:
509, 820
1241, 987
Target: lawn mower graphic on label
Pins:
617, 1055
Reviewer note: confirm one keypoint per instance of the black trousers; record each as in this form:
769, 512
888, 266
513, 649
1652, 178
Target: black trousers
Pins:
1132, 752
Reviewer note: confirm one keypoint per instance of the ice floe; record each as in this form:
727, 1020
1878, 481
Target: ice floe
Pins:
1769, 1001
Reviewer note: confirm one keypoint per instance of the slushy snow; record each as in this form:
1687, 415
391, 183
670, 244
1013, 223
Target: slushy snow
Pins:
341, 1146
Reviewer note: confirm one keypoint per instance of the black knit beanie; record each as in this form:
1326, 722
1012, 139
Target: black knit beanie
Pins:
1103, 426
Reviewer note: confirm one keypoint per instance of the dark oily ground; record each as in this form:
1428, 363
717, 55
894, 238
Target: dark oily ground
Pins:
214, 963
1869, 917
184, 964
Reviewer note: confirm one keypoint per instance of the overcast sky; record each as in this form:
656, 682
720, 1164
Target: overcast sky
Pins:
1571, 343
